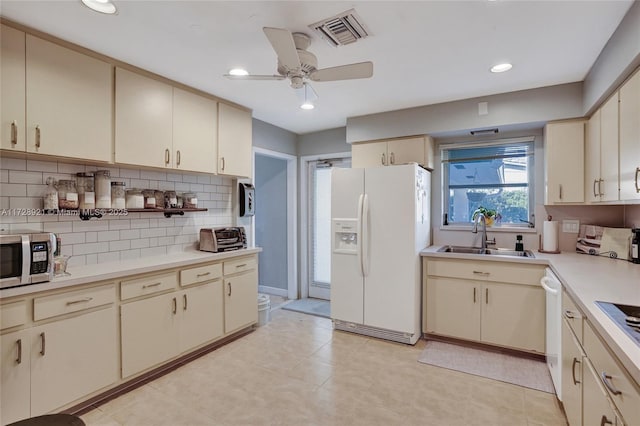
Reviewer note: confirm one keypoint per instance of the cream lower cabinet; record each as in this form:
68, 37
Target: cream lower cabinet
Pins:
417, 149
597, 408
564, 162
72, 358
15, 376
572, 372
241, 293
202, 315
464, 302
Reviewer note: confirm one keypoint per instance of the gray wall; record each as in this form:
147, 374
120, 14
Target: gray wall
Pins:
325, 142
524, 107
275, 138
620, 56
271, 220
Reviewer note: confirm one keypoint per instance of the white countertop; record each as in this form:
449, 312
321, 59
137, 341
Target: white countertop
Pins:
114, 270
588, 279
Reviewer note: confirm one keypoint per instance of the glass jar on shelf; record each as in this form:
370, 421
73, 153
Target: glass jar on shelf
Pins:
86, 193
118, 195
190, 200
67, 194
170, 200
135, 199
50, 203
102, 184
149, 198
159, 198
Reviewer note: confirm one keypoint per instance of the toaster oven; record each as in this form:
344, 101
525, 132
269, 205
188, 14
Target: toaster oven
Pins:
222, 239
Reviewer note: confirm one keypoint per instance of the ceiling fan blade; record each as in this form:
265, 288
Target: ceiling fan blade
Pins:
343, 72
255, 77
311, 94
282, 42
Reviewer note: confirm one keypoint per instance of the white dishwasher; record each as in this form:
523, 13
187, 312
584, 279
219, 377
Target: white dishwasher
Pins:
553, 290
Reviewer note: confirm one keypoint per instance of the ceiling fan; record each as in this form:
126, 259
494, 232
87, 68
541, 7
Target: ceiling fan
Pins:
298, 65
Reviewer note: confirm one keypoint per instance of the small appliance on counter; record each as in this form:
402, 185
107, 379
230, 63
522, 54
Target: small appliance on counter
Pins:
26, 259
221, 239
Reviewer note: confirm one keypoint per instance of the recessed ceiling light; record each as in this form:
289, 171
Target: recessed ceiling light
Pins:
102, 6
307, 105
501, 67
238, 71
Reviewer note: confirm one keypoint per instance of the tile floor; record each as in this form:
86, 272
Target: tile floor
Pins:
297, 371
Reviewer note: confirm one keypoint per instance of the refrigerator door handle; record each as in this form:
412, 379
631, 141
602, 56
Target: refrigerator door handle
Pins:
360, 202
365, 235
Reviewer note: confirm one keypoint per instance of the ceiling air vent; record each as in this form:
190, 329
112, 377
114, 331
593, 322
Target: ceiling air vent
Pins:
344, 28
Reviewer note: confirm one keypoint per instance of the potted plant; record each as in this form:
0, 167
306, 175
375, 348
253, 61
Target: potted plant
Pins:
490, 215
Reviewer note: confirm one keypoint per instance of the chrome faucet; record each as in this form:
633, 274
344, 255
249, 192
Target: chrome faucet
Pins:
479, 217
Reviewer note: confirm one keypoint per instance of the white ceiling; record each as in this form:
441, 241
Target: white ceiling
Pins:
424, 52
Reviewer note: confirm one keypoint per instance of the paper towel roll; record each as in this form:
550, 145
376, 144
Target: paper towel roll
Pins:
550, 229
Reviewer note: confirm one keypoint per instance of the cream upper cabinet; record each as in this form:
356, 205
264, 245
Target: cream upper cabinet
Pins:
195, 132
65, 356
417, 149
601, 153
12, 89
564, 162
144, 129
234, 141
15, 376
630, 139
572, 370
68, 102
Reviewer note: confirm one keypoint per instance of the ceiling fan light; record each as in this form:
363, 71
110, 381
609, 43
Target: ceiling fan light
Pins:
501, 67
238, 71
101, 6
307, 105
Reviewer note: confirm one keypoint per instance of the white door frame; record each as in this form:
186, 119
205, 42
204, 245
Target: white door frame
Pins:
304, 208
292, 234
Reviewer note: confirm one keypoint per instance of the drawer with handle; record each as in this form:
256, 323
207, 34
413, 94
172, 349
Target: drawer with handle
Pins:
239, 265
572, 314
144, 286
621, 388
73, 301
13, 314
200, 274
512, 273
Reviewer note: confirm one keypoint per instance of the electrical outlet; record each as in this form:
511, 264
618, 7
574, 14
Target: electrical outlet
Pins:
571, 226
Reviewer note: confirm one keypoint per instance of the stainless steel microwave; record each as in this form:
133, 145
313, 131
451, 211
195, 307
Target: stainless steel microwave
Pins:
26, 259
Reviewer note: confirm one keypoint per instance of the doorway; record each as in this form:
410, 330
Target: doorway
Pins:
275, 218
316, 219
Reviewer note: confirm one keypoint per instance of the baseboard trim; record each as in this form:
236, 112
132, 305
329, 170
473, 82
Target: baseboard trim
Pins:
282, 292
480, 345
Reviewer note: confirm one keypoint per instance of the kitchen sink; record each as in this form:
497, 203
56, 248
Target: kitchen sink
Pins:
485, 252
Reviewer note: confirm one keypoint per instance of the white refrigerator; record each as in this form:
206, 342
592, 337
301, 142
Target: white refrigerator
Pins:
380, 223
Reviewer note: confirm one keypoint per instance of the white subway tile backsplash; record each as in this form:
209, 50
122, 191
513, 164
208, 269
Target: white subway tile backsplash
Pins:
112, 238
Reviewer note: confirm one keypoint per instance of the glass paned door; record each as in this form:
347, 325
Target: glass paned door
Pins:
319, 220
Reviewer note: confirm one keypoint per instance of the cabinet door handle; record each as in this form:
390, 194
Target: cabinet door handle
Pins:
229, 284
600, 193
178, 158
37, 136
222, 162
43, 344
484, 274
203, 275
636, 179
242, 265
568, 315
383, 159
175, 306
474, 295
150, 285
184, 302
14, 133
83, 300
605, 380
486, 296
167, 156
392, 158
595, 182
573, 370
560, 191
19, 347
605, 421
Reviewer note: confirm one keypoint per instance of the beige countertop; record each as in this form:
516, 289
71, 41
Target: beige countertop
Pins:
107, 271
588, 279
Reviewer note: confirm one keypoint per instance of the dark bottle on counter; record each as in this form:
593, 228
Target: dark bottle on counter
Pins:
519, 244
635, 243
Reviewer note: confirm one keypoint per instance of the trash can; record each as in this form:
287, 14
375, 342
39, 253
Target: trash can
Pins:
264, 309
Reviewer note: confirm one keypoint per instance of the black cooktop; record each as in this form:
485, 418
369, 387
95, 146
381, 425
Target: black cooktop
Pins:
626, 317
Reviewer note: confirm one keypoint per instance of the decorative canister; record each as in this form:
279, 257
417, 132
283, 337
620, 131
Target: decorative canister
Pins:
118, 195
149, 198
102, 179
159, 199
86, 193
67, 194
170, 200
135, 199
190, 200
51, 195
